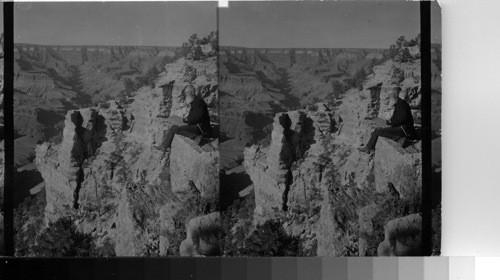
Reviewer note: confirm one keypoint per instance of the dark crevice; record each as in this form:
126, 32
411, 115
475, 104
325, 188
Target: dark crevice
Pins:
87, 146
79, 130
375, 97
321, 167
112, 175
76, 194
286, 123
288, 183
297, 143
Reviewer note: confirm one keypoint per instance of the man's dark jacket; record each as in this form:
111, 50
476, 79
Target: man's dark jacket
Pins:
198, 115
402, 117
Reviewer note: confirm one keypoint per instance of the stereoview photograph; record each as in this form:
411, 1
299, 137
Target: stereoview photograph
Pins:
124, 147
116, 123
320, 128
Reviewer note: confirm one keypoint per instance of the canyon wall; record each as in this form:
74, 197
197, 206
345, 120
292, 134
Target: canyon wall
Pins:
111, 173
313, 177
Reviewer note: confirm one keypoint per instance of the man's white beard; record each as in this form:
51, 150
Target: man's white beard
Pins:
185, 110
388, 114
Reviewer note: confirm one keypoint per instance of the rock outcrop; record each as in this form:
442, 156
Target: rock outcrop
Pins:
393, 74
196, 165
270, 168
399, 167
203, 236
200, 73
313, 178
112, 176
403, 237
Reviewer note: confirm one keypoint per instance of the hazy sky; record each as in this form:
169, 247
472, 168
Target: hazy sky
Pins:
125, 23
1, 17
436, 23
319, 24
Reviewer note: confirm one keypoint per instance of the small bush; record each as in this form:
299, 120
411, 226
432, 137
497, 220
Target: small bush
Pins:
28, 222
129, 85
151, 76
270, 239
184, 50
61, 239
147, 79
357, 80
214, 41
237, 222
338, 90
198, 53
194, 206
406, 56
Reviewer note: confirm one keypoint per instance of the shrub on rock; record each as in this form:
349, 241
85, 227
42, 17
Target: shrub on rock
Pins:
270, 239
61, 239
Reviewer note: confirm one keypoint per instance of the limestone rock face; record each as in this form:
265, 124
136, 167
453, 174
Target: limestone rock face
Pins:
396, 166
110, 172
328, 229
202, 75
270, 168
390, 74
192, 164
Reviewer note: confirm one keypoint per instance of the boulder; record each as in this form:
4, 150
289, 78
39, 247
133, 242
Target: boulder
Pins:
203, 236
403, 237
194, 164
393, 164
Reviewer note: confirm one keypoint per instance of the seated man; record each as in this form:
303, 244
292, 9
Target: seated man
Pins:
197, 120
400, 123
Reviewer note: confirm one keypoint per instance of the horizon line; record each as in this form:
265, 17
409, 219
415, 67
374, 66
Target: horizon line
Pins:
95, 45
298, 48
